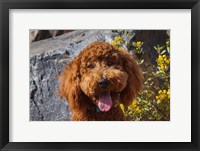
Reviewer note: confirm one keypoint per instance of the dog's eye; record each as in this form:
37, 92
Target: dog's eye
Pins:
91, 66
118, 67
110, 63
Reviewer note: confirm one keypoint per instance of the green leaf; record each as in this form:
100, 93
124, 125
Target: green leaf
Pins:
163, 52
168, 50
160, 73
155, 48
133, 44
159, 117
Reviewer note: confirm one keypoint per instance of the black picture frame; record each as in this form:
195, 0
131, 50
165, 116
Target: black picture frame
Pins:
5, 5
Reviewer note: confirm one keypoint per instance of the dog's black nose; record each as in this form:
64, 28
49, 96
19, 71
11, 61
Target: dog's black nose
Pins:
103, 82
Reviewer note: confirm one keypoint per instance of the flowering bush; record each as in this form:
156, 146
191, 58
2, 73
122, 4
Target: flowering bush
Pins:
117, 42
153, 102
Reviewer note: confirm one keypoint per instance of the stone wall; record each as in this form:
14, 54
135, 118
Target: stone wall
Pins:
47, 59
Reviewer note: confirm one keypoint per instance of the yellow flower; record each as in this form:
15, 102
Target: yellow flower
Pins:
112, 42
167, 61
160, 57
122, 107
168, 91
133, 105
162, 67
163, 62
138, 110
138, 43
118, 38
117, 42
168, 94
120, 49
157, 97
163, 95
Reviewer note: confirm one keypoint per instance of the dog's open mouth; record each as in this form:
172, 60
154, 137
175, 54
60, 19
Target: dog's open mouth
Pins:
105, 102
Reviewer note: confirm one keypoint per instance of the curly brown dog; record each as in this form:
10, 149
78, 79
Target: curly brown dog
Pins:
98, 80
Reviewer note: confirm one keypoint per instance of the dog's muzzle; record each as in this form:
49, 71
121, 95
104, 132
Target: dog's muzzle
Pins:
103, 82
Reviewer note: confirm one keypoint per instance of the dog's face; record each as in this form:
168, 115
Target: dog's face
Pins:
101, 74
103, 78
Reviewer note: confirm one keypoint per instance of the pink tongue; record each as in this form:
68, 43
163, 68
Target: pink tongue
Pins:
105, 102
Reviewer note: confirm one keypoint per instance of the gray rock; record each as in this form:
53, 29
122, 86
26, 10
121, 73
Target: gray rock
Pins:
47, 60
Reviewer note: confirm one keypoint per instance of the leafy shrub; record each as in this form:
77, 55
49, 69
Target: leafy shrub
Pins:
153, 102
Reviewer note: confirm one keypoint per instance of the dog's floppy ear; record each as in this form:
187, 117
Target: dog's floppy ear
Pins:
135, 79
69, 86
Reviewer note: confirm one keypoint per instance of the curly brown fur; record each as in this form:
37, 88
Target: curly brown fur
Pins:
80, 82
